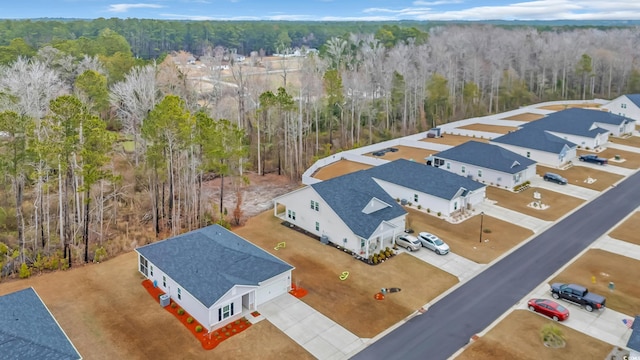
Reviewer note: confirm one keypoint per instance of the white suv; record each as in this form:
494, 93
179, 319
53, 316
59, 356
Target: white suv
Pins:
434, 243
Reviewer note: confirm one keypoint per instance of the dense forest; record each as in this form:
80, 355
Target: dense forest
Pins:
110, 128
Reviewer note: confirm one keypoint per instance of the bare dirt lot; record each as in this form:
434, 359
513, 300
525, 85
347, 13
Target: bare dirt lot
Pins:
630, 160
350, 302
607, 267
517, 336
464, 237
568, 106
577, 175
629, 141
108, 314
406, 152
559, 204
338, 168
628, 230
489, 128
525, 117
453, 140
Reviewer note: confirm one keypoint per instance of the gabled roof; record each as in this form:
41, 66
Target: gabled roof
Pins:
208, 262
487, 156
29, 331
424, 178
534, 138
577, 121
635, 99
349, 195
634, 340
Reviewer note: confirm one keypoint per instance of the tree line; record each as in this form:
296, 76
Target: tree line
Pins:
93, 139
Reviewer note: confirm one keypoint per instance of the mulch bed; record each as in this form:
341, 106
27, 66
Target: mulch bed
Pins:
209, 340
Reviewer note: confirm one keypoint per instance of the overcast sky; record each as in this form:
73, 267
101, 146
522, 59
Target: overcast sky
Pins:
324, 10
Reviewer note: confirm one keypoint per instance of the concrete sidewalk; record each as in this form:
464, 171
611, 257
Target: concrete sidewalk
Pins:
529, 222
319, 335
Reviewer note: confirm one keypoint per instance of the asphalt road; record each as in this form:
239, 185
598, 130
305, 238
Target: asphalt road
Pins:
449, 324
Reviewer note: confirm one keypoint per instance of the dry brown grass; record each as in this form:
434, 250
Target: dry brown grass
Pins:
406, 152
489, 128
559, 204
453, 140
517, 336
576, 175
631, 159
628, 230
629, 141
350, 303
569, 106
464, 237
525, 117
607, 267
338, 168
107, 314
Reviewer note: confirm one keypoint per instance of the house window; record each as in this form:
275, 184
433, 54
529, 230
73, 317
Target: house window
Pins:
479, 173
448, 165
225, 311
317, 226
528, 154
164, 281
291, 214
361, 243
315, 205
415, 198
624, 106
144, 266
455, 205
463, 169
179, 294
151, 270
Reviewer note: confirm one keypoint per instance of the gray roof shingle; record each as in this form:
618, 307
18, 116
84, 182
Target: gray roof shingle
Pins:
487, 156
534, 138
634, 340
208, 262
29, 331
349, 194
577, 121
424, 178
635, 98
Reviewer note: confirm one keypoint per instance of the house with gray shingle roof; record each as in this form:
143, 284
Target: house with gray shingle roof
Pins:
28, 330
486, 163
634, 340
360, 211
351, 211
538, 145
214, 274
625, 105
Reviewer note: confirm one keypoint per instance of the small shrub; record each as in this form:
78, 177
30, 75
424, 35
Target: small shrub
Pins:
234, 331
216, 334
486, 231
227, 334
25, 272
180, 311
382, 256
189, 320
237, 322
174, 305
229, 326
375, 260
397, 199
439, 213
100, 254
4, 249
387, 254
419, 206
428, 211
198, 328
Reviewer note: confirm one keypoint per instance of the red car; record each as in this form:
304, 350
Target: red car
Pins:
549, 308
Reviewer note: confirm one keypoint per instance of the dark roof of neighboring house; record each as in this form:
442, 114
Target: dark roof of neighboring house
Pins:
537, 139
635, 98
348, 195
208, 262
577, 121
29, 331
424, 178
634, 340
487, 156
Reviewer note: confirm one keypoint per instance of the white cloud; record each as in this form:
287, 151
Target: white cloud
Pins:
120, 8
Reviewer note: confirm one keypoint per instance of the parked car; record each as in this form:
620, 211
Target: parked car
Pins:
409, 242
592, 159
549, 308
434, 243
553, 177
579, 295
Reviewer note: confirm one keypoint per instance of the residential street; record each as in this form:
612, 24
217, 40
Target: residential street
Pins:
452, 321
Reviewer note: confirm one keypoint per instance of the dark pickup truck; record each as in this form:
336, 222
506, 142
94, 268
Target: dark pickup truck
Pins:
593, 159
579, 295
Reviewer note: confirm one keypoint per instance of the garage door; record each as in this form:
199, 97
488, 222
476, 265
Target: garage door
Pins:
272, 289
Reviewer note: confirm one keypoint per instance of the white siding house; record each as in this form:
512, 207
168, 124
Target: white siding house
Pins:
486, 163
625, 105
196, 269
